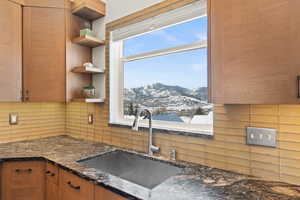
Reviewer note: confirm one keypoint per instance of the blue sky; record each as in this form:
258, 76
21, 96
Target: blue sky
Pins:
188, 69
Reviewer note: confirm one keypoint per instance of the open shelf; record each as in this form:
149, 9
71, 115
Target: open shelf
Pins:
88, 70
89, 9
88, 41
89, 100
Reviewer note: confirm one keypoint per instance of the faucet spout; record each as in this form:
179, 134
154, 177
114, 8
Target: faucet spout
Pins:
135, 125
147, 114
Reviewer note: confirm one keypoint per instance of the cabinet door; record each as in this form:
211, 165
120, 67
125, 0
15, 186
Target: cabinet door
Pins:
44, 54
10, 51
51, 182
23, 180
255, 51
72, 187
104, 194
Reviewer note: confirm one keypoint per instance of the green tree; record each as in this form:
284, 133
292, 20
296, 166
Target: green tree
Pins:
200, 111
131, 109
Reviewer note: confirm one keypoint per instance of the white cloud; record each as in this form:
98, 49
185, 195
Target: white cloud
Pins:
201, 36
166, 36
197, 67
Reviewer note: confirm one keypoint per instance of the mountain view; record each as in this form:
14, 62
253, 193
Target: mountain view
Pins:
170, 103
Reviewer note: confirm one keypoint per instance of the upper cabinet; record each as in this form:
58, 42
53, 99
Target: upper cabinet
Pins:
44, 62
255, 51
46, 3
10, 52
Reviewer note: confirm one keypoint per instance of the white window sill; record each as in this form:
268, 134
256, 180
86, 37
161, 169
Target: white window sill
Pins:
173, 129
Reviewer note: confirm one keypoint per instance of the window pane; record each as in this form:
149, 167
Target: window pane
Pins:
173, 86
181, 34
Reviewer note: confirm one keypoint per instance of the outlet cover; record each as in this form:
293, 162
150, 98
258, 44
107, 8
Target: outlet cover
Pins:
13, 119
261, 136
91, 118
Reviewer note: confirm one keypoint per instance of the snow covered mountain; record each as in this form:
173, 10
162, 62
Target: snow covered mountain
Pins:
168, 97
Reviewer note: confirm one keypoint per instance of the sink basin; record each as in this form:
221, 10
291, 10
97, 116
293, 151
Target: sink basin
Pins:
135, 168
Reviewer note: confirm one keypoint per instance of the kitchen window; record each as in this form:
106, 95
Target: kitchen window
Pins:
162, 64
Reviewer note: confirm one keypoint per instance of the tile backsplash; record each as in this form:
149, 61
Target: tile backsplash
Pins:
227, 150
36, 120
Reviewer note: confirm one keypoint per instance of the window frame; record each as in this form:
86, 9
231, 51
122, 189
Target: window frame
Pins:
116, 80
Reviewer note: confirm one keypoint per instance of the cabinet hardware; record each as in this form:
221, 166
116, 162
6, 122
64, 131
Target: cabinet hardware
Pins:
49, 173
298, 86
73, 186
26, 96
24, 170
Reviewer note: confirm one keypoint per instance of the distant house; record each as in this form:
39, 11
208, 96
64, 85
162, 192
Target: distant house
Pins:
167, 117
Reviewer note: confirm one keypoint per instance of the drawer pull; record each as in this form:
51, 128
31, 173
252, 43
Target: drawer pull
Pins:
73, 186
49, 173
24, 170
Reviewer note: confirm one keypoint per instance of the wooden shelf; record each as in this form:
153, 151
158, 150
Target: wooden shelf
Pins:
88, 41
89, 100
88, 70
89, 9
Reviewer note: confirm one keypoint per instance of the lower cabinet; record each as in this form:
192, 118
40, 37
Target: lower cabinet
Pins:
38, 180
52, 184
72, 187
103, 194
23, 180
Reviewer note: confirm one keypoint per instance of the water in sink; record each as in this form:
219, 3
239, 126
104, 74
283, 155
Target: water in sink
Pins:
141, 170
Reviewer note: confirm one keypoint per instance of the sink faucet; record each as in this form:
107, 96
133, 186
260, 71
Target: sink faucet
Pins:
147, 115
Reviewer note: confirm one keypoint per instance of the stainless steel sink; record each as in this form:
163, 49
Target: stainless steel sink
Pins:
135, 168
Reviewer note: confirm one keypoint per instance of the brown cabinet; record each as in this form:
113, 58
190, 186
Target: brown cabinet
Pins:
44, 62
73, 187
103, 194
46, 3
37, 180
10, 51
255, 51
23, 180
52, 186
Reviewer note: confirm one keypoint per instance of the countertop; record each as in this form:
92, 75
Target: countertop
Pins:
196, 182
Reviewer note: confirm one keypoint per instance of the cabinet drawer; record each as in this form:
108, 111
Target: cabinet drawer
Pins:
51, 173
23, 180
24, 173
74, 187
104, 194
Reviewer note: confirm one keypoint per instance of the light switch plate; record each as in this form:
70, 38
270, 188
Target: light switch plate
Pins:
13, 118
261, 136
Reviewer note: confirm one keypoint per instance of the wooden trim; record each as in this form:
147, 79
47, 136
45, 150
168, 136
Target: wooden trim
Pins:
88, 41
147, 13
89, 9
88, 70
161, 8
209, 70
21, 2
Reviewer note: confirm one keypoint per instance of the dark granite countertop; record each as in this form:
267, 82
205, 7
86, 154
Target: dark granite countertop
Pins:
196, 182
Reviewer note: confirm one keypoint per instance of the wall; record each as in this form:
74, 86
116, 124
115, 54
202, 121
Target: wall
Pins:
228, 149
36, 120
118, 9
